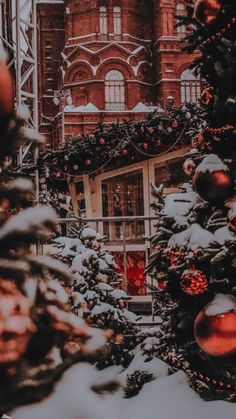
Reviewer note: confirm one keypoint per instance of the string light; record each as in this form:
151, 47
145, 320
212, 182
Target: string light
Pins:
129, 142
219, 34
182, 366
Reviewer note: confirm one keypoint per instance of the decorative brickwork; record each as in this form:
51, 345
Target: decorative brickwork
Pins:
119, 58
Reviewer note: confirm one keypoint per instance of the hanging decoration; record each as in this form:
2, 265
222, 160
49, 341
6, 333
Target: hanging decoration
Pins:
213, 180
207, 11
215, 327
116, 145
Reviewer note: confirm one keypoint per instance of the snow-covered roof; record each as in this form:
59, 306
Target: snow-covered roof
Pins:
90, 107
141, 107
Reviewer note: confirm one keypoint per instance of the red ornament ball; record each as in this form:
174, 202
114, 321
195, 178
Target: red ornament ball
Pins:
207, 96
87, 162
124, 152
102, 141
162, 284
6, 89
207, 11
215, 327
175, 124
145, 146
232, 217
194, 282
213, 181
188, 167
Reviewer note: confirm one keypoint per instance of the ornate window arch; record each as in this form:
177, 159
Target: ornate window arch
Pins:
181, 11
114, 91
190, 87
117, 20
103, 20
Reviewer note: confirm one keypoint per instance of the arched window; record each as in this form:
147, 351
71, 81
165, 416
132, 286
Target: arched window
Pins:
180, 11
115, 91
117, 20
103, 20
190, 87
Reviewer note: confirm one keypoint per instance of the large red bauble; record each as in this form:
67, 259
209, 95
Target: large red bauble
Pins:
6, 90
207, 11
213, 181
216, 335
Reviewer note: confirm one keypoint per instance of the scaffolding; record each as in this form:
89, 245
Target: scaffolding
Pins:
18, 33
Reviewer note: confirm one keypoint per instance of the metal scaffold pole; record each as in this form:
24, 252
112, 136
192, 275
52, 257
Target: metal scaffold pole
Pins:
19, 36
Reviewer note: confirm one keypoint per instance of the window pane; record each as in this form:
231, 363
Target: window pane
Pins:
117, 20
123, 196
190, 87
114, 91
103, 21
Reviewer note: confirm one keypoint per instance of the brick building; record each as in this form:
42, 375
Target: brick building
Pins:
114, 60
119, 58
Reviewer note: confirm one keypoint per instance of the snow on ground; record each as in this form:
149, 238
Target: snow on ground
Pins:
168, 397
171, 398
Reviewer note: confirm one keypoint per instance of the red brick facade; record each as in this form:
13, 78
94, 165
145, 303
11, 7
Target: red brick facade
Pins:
119, 58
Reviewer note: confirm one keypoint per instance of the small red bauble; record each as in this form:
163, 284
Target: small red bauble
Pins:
200, 138
188, 167
16, 325
194, 282
6, 89
124, 152
96, 245
175, 124
213, 181
207, 96
87, 162
102, 141
162, 284
215, 331
232, 217
145, 146
207, 11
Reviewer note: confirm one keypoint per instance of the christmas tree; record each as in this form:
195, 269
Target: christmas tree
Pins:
96, 293
35, 319
194, 259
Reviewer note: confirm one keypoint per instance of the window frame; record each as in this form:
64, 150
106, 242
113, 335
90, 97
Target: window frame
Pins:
117, 21
181, 11
103, 20
114, 91
190, 87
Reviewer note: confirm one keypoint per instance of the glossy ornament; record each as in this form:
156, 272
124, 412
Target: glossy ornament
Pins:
175, 124
16, 326
188, 167
215, 327
232, 217
207, 11
207, 96
6, 90
102, 141
124, 152
213, 181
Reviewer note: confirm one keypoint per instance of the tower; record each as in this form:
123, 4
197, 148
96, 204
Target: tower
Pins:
175, 82
51, 30
107, 61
